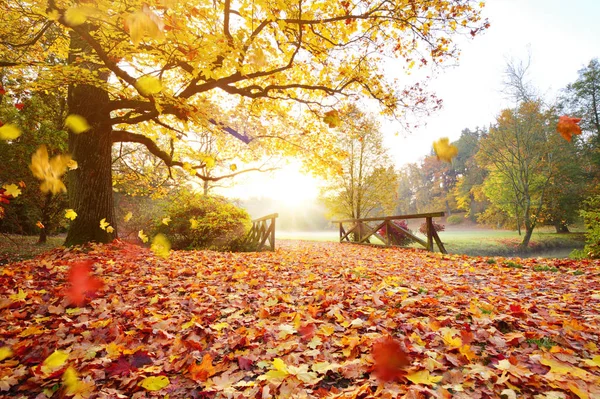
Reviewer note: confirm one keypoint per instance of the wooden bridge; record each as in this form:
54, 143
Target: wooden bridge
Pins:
363, 229
263, 230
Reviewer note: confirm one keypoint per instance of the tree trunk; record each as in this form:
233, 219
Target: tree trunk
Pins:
90, 185
528, 232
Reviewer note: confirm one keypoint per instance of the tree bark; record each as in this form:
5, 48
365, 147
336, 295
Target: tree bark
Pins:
90, 185
561, 228
527, 237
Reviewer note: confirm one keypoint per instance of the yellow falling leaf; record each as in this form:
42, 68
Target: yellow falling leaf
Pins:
594, 362
70, 214
148, 85
444, 150
110, 230
77, 124
55, 361
189, 168
104, 224
5, 352
75, 16
12, 189
233, 167
9, 132
154, 383
53, 15
49, 171
161, 245
74, 386
209, 162
332, 118
423, 377
128, 217
166, 221
72, 164
142, 236
193, 224
144, 23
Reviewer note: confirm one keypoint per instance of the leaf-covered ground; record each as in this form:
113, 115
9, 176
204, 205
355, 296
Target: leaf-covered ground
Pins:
310, 320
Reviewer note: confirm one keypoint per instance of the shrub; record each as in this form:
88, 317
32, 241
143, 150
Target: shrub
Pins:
436, 226
397, 237
201, 222
453, 220
591, 220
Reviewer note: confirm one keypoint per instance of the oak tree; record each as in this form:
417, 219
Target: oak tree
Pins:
263, 71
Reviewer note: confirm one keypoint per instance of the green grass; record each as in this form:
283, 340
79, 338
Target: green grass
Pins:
14, 248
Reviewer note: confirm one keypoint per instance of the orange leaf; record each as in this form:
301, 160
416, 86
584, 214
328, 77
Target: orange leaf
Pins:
82, 282
201, 372
390, 358
567, 127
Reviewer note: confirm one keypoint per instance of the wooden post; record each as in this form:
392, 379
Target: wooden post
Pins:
388, 233
272, 234
341, 231
429, 234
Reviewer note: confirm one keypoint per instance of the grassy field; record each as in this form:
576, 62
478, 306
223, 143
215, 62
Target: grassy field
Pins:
14, 248
480, 242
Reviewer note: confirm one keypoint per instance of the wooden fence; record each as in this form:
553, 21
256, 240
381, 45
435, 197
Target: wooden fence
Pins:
263, 230
363, 229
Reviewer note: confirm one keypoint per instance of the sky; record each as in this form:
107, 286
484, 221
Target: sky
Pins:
561, 36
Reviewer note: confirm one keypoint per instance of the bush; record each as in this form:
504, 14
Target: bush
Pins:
453, 220
398, 237
436, 226
204, 222
591, 220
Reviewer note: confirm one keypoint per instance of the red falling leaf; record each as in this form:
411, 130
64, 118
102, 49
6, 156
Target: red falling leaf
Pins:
19, 106
390, 358
82, 282
2, 91
567, 127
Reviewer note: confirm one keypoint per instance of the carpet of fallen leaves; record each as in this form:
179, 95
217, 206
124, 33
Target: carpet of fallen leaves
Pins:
309, 320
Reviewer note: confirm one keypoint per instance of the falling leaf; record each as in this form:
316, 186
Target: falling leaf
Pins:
55, 361
40, 225
423, 377
144, 23
166, 220
568, 127
19, 106
75, 16
74, 386
77, 124
161, 245
72, 164
193, 224
128, 217
104, 224
332, 118
154, 383
82, 282
209, 162
70, 214
233, 167
110, 229
444, 150
148, 85
142, 236
49, 171
12, 189
9, 132
389, 357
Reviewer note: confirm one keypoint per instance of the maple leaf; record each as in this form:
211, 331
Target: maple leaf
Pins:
40, 225
154, 383
140, 359
128, 217
9, 132
5, 352
423, 377
49, 171
70, 214
390, 358
82, 283
144, 23
142, 236
332, 118
55, 361
11, 189
120, 367
243, 362
567, 127
72, 164
19, 106
77, 124
444, 150
161, 245
166, 221
74, 386
193, 224
148, 85
201, 372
